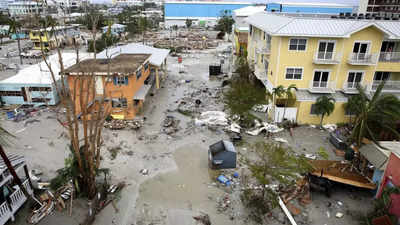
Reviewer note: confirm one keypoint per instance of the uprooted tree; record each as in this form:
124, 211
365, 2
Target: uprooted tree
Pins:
274, 165
84, 117
242, 95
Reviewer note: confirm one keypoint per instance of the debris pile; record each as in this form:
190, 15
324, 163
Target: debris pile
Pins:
122, 124
212, 118
170, 125
200, 100
264, 127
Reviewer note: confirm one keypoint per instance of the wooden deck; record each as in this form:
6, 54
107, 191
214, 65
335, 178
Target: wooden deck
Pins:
342, 173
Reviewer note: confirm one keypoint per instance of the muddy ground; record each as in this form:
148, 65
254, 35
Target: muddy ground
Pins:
179, 184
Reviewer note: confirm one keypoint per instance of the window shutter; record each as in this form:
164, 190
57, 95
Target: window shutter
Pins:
126, 80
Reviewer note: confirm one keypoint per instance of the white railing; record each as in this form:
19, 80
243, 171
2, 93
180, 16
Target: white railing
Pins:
17, 199
363, 59
390, 85
327, 57
28, 187
322, 86
263, 47
351, 87
5, 213
389, 57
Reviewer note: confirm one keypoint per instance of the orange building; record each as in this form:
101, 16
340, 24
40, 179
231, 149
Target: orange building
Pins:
122, 81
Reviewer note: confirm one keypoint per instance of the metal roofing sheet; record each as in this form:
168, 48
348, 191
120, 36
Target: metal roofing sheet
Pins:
285, 25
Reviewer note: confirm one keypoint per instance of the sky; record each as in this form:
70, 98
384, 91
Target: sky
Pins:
349, 2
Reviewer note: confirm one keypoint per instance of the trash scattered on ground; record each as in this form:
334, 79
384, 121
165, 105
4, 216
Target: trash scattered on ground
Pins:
235, 128
204, 219
170, 125
200, 99
122, 124
260, 108
224, 180
281, 140
260, 127
212, 118
330, 127
144, 172
31, 121
223, 204
310, 156
339, 215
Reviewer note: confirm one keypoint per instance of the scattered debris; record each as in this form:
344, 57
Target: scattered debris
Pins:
260, 108
170, 125
144, 172
310, 156
211, 118
122, 124
339, 215
204, 219
281, 140
235, 128
224, 180
260, 127
330, 127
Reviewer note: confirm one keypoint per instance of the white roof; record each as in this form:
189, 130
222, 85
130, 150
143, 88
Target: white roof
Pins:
117, 25
284, 25
208, 2
40, 74
158, 55
248, 11
325, 4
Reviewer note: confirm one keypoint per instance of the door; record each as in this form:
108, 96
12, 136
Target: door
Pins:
325, 49
354, 79
321, 79
360, 50
99, 85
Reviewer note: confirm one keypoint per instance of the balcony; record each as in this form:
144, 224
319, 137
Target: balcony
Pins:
362, 59
327, 57
262, 47
392, 86
351, 87
389, 57
322, 87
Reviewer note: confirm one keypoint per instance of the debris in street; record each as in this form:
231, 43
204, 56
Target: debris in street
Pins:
339, 215
330, 127
204, 219
224, 180
212, 118
281, 140
222, 155
260, 108
122, 124
170, 125
310, 156
260, 127
31, 121
235, 128
144, 172
223, 204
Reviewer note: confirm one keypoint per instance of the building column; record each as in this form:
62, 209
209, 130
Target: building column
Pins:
157, 79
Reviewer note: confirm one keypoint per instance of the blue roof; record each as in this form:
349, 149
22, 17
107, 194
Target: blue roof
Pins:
200, 9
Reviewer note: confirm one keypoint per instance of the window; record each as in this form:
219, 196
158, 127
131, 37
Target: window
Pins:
119, 103
47, 89
10, 93
146, 66
294, 73
325, 50
138, 74
321, 79
120, 80
264, 35
251, 30
41, 100
313, 110
380, 76
296, 44
354, 79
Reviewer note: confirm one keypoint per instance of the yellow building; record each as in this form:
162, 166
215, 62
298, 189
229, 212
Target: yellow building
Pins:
65, 35
241, 28
324, 56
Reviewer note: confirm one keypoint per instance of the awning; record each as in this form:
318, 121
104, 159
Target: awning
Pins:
142, 93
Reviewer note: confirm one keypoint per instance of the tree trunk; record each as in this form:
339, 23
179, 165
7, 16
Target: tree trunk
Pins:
322, 118
19, 49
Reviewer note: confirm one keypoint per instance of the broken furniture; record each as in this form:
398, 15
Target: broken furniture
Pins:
222, 155
337, 140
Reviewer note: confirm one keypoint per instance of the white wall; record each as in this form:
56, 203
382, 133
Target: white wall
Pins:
290, 114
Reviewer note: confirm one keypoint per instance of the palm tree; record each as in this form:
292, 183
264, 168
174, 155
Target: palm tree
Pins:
276, 92
352, 106
15, 28
289, 96
376, 113
324, 106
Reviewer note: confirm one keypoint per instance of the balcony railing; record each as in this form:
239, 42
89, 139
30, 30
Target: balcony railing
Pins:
17, 199
5, 213
390, 86
322, 86
389, 57
351, 87
263, 47
362, 59
327, 57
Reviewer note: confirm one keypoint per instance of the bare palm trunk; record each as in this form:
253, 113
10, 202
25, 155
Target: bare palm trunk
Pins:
322, 118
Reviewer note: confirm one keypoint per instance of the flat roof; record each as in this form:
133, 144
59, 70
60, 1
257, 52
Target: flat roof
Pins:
121, 64
40, 74
249, 10
158, 55
325, 4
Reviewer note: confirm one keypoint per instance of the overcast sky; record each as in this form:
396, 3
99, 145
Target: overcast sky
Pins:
350, 2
